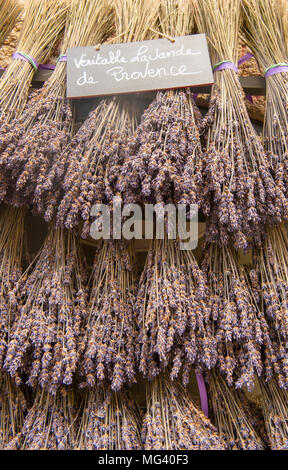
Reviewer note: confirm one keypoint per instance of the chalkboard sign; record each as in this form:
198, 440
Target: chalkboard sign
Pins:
139, 66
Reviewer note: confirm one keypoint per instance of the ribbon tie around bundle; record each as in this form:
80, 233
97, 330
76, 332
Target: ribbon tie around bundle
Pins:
276, 68
225, 65
203, 393
62, 58
23, 56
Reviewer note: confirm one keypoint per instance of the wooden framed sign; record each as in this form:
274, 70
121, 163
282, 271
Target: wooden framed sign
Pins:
138, 66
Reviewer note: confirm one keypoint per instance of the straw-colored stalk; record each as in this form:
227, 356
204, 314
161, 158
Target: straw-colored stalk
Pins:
45, 336
110, 421
110, 332
12, 237
172, 421
12, 408
239, 191
50, 424
9, 13
99, 147
44, 21
233, 415
275, 410
265, 29
45, 127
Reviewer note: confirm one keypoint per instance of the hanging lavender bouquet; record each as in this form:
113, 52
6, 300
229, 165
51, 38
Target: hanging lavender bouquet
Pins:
239, 192
45, 336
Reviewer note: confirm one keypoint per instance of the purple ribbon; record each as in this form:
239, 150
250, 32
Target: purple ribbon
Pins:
203, 394
224, 65
62, 58
278, 69
46, 67
23, 56
245, 58
249, 98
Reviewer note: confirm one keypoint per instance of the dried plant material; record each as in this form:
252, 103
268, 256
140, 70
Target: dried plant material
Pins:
265, 28
45, 337
173, 315
269, 281
110, 421
12, 407
243, 342
45, 126
93, 159
110, 333
163, 164
101, 141
9, 45
44, 20
51, 423
233, 415
275, 409
9, 13
172, 422
12, 238
240, 194
164, 160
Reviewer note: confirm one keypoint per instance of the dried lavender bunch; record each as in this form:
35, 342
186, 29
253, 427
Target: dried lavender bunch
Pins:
97, 146
50, 423
10, 11
92, 161
164, 162
269, 281
45, 127
43, 23
232, 415
110, 421
12, 241
265, 29
12, 408
275, 411
110, 332
45, 337
173, 314
239, 192
172, 422
241, 331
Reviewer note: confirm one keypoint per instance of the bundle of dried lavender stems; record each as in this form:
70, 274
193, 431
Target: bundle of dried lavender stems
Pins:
173, 422
173, 315
244, 345
164, 158
12, 247
110, 421
45, 337
96, 152
9, 13
45, 126
43, 23
109, 349
275, 410
12, 408
50, 424
233, 415
239, 191
266, 33
269, 282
